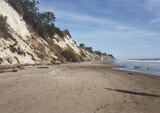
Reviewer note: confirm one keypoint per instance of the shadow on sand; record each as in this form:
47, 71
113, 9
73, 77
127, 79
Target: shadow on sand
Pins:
134, 93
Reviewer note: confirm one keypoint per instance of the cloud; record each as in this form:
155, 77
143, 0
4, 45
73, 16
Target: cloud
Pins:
84, 19
112, 28
81, 18
49, 5
120, 25
129, 35
152, 4
153, 21
141, 46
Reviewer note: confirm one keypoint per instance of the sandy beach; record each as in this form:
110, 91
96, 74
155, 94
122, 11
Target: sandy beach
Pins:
91, 87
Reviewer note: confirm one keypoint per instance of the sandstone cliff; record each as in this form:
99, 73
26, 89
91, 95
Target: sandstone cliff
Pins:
21, 44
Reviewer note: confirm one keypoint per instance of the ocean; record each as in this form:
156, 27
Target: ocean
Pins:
148, 66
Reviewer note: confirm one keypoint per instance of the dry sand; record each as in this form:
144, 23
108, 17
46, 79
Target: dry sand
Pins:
78, 88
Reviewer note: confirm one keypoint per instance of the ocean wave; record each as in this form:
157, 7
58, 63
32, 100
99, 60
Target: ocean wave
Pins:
144, 66
158, 61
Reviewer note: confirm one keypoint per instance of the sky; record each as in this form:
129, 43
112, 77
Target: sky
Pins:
125, 28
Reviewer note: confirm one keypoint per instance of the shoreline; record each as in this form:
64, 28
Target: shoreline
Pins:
88, 87
9, 68
138, 66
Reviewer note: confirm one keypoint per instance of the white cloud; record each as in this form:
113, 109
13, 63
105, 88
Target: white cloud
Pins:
118, 30
153, 21
81, 18
152, 4
85, 27
141, 46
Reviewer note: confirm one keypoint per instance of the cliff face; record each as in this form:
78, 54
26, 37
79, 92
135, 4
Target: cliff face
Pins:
20, 44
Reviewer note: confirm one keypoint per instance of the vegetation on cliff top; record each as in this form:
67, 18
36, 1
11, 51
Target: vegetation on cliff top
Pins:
43, 24
96, 52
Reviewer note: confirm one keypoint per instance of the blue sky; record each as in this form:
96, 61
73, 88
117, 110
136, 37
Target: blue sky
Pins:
125, 28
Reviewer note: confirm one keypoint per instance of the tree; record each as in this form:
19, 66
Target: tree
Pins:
26, 8
75, 42
50, 29
98, 53
67, 32
89, 49
104, 54
43, 23
111, 55
59, 32
42, 31
47, 17
82, 45
17, 5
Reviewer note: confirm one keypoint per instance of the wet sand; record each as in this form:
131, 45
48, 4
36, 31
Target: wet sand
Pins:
91, 87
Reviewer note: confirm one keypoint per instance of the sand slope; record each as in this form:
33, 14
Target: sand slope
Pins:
78, 88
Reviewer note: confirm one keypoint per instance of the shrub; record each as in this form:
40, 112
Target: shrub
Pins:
82, 45
59, 32
110, 55
98, 53
50, 29
104, 54
71, 56
67, 32
3, 28
89, 49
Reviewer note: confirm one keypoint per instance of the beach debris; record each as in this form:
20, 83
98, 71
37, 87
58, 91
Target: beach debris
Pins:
20, 67
43, 67
136, 67
130, 73
28, 66
14, 70
2, 71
